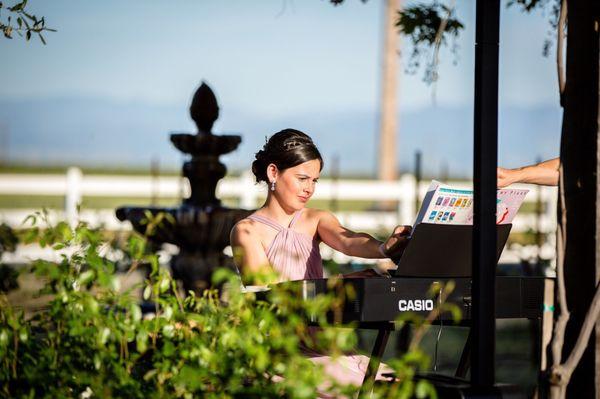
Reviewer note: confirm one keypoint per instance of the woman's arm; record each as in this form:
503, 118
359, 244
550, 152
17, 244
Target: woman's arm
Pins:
248, 252
362, 245
544, 173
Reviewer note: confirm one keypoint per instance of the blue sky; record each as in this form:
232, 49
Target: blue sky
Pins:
273, 64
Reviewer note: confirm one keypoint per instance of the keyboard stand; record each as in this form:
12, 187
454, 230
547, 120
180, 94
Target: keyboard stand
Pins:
383, 334
385, 328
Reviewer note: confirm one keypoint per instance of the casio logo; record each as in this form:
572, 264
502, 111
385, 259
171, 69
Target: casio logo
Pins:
416, 305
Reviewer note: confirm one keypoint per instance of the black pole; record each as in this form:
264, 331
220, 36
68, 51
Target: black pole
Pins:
484, 179
539, 236
417, 179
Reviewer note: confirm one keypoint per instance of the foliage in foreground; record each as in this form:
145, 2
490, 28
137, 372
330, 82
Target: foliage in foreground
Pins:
93, 339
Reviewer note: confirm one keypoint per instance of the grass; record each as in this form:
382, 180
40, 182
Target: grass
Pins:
86, 170
57, 202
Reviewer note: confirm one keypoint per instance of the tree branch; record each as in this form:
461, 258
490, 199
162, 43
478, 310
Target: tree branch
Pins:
20, 21
560, 45
437, 43
558, 386
584, 335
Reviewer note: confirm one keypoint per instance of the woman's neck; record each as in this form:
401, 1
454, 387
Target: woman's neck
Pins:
274, 209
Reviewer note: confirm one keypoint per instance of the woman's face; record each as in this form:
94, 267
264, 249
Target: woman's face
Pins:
294, 186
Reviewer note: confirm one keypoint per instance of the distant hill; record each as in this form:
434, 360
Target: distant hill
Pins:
87, 131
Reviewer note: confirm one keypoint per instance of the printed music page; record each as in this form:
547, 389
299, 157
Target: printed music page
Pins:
444, 204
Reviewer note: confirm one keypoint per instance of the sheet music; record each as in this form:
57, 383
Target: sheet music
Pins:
444, 204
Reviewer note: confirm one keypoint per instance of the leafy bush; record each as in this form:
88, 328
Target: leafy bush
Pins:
93, 339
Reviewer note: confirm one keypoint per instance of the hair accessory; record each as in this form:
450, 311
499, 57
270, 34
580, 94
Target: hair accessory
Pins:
273, 185
292, 144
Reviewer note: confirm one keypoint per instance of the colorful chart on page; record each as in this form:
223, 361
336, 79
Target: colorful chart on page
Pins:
447, 205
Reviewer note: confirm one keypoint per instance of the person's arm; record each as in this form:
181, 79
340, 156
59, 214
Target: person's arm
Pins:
248, 253
362, 245
544, 173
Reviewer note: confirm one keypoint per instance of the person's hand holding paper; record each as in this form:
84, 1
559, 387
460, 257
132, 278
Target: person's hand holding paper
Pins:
394, 246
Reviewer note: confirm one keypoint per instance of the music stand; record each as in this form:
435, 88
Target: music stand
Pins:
443, 250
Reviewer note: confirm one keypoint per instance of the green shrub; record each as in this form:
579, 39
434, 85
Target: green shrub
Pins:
92, 339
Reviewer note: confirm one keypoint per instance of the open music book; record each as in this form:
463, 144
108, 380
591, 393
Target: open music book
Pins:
447, 205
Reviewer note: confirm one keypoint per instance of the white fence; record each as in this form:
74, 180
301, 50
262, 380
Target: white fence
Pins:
74, 186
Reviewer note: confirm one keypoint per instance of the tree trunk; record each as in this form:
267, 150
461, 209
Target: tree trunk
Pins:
579, 157
386, 156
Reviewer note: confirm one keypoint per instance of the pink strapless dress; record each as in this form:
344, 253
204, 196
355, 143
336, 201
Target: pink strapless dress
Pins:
295, 256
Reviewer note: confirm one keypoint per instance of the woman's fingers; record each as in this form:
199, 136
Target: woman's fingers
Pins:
402, 230
397, 242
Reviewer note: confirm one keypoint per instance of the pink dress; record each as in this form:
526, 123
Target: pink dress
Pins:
295, 256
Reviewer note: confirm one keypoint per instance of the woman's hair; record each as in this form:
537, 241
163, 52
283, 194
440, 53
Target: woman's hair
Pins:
285, 149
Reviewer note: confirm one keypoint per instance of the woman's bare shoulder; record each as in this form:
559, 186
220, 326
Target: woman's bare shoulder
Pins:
245, 228
317, 214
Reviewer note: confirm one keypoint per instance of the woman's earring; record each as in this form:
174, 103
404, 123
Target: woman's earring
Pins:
273, 185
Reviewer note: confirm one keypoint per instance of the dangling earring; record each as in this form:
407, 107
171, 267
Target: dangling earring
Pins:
273, 185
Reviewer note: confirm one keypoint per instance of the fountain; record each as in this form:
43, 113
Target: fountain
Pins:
200, 226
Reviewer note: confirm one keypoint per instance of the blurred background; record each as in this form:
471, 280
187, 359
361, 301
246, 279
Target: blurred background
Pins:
116, 78
85, 119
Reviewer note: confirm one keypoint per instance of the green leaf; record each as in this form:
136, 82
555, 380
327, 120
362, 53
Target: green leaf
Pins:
86, 277
168, 330
103, 335
141, 341
3, 338
163, 285
147, 292
221, 276
23, 335
168, 348
97, 361
168, 312
424, 389
136, 312
150, 374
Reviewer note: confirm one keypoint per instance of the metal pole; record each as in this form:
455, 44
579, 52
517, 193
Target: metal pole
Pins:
539, 235
335, 174
484, 179
154, 173
417, 179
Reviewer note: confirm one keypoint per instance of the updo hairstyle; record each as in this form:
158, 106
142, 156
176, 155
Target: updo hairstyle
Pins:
285, 149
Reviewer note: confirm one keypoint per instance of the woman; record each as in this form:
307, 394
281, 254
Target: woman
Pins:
284, 235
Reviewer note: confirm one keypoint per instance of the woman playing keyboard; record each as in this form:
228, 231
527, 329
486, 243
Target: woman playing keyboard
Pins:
284, 235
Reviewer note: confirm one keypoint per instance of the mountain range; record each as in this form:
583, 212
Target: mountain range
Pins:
102, 132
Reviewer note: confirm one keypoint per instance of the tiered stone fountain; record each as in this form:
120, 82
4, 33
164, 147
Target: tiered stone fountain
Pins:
201, 224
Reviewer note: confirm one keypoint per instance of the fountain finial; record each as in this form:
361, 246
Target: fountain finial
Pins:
204, 109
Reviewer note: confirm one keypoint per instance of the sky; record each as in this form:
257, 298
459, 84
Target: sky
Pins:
118, 76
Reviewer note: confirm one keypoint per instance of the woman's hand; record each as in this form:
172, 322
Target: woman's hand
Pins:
394, 246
